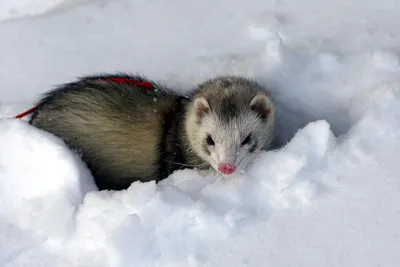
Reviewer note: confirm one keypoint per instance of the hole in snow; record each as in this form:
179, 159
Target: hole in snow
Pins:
313, 85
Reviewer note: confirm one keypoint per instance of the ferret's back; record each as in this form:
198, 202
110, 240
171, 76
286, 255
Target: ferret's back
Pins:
116, 128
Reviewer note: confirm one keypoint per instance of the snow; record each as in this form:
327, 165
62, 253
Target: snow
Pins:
24, 8
328, 197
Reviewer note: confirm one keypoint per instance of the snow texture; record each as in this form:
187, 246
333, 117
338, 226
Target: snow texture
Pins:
328, 197
17, 9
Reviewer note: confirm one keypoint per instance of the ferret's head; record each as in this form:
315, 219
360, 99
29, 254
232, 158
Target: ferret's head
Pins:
229, 120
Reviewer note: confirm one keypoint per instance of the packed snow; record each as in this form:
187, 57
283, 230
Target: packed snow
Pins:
328, 197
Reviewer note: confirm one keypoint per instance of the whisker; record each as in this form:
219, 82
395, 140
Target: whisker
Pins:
275, 134
186, 165
273, 149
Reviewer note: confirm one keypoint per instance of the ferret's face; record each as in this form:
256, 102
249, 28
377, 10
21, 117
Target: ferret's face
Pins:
227, 142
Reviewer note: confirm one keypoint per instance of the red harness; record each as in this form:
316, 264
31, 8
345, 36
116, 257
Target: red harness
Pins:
119, 80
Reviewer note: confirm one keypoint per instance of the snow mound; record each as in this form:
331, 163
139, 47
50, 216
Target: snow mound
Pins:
174, 223
43, 184
40, 178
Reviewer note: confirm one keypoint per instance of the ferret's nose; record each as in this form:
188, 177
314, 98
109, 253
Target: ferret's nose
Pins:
226, 168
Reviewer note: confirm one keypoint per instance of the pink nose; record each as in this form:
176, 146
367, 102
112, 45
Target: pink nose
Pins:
226, 168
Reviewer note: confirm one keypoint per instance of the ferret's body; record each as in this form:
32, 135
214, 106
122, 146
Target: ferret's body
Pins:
126, 132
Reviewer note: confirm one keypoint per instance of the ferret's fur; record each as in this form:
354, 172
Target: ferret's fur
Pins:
126, 133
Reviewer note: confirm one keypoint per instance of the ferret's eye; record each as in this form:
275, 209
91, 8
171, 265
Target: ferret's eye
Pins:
246, 140
210, 141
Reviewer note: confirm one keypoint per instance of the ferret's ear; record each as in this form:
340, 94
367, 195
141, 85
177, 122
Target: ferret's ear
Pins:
202, 107
262, 105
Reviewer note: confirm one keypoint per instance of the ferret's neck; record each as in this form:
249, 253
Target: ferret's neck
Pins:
187, 150
175, 150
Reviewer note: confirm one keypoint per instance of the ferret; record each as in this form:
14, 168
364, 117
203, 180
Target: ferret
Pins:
144, 131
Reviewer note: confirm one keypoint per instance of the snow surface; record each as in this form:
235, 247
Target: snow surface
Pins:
329, 197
